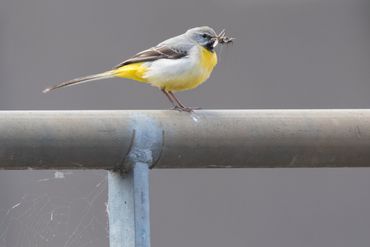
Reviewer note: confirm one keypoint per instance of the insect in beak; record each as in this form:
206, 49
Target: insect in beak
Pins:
223, 39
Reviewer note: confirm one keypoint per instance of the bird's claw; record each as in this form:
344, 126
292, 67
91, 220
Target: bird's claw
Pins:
185, 109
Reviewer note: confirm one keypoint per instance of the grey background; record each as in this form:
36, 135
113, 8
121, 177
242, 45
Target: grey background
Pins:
288, 54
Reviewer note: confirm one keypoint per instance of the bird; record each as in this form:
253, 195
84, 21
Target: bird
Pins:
177, 64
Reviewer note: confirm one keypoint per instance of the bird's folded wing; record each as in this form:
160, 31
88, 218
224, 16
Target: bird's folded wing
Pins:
154, 53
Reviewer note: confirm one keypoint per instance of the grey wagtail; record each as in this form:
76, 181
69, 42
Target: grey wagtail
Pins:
177, 64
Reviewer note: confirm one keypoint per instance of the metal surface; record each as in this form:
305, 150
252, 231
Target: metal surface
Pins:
225, 138
121, 210
129, 221
128, 207
141, 202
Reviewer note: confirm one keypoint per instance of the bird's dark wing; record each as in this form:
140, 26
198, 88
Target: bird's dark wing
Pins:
154, 53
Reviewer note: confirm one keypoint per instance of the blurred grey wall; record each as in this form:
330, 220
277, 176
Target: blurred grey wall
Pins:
287, 54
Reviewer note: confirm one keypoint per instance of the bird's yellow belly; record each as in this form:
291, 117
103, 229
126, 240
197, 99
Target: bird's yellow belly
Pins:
196, 75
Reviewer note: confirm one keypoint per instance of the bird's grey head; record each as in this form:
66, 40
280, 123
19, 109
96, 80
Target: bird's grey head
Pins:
204, 36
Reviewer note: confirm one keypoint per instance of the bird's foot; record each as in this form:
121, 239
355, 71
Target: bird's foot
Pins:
185, 109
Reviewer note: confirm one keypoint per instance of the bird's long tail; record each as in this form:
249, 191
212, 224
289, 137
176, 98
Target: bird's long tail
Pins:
80, 80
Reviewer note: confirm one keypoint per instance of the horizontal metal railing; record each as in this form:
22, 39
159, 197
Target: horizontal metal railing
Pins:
171, 139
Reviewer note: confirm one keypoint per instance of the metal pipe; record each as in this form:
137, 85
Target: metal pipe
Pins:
141, 201
121, 210
128, 207
218, 138
128, 196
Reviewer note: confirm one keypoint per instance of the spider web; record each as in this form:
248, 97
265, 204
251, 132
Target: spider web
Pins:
53, 208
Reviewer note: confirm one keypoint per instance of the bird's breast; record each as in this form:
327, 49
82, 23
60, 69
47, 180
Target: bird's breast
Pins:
183, 73
208, 60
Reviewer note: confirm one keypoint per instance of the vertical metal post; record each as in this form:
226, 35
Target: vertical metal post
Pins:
141, 204
129, 223
121, 210
128, 202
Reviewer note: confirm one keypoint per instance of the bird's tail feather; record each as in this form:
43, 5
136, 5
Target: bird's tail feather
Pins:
80, 80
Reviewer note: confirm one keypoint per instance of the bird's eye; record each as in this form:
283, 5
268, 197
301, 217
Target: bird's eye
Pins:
205, 35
